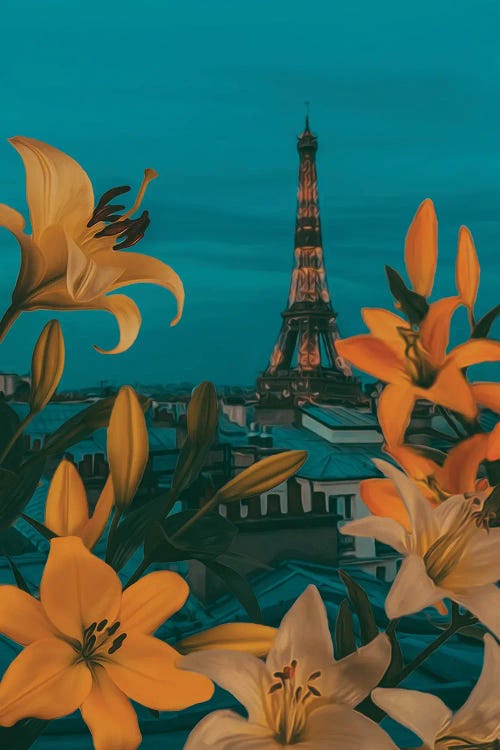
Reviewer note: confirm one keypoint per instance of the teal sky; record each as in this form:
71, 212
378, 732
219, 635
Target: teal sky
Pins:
405, 99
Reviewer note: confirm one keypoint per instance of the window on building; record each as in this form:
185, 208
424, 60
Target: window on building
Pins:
332, 504
345, 543
380, 572
348, 506
273, 505
318, 502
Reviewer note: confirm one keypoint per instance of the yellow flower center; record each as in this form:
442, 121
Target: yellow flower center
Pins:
289, 703
417, 364
444, 554
98, 642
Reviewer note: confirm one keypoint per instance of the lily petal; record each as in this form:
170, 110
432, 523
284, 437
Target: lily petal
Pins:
227, 730
337, 727
475, 351
422, 713
480, 562
144, 269
484, 602
382, 499
43, 682
146, 670
352, 678
452, 390
296, 639
94, 527
412, 589
58, 190
394, 409
493, 444
109, 715
459, 471
384, 324
421, 248
78, 588
225, 668
435, 328
86, 280
33, 263
152, 600
22, 617
373, 356
66, 510
487, 394
386, 530
478, 717
127, 316
419, 510
246, 637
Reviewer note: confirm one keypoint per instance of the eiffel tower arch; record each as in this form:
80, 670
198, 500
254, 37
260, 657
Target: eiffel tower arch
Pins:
304, 365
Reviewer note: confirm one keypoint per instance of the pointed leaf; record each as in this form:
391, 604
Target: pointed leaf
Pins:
362, 607
482, 327
261, 476
132, 531
19, 578
345, 642
239, 587
43, 530
414, 305
23, 734
210, 535
9, 422
16, 490
47, 366
397, 661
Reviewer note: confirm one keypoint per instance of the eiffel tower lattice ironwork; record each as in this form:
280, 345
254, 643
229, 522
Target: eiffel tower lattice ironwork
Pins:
304, 365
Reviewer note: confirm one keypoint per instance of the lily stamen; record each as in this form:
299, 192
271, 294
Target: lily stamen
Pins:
443, 555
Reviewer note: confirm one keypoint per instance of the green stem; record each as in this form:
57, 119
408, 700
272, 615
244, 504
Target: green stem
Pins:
199, 513
9, 317
112, 531
17, 434
141, 568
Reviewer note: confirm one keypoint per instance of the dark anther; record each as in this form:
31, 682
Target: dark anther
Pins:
103, 209
134, 231
118, 227
117, 643
276, 686
280, 675
102, 625
314, 676
297, 693
90, 643
112, 630
88, 631
313, 690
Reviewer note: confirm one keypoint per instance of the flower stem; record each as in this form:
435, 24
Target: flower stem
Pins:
9, 317
112, 531
17, 434
199, 513
144, 565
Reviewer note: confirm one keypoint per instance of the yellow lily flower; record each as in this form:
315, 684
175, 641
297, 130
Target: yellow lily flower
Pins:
73, 256
88, 645
415, 364
67, 510
457, 476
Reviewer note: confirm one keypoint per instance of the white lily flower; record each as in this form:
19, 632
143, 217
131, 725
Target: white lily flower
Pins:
300, 697
447, 554
475, 726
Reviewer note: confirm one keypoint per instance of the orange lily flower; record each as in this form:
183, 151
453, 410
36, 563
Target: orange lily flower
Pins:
73, 257
457, 476
415, 364
89, 646
67, 510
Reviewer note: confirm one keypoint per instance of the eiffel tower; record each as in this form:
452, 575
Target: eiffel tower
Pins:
304, 365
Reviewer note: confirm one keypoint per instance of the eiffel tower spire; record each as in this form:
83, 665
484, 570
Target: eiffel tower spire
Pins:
304, 364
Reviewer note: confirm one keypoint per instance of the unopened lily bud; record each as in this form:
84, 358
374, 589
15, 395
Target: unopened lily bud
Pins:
127, 446
47, 366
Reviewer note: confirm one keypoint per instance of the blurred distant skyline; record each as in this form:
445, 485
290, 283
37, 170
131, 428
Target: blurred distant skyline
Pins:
404, 99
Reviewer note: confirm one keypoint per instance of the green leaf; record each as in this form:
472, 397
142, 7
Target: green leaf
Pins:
22, 735
9, 422
414, 305
362, 607
19, 578
210, 535
133, 529
397, 661
82, 425
239, 587
482, 327
43, 530
345, 643
16, 490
